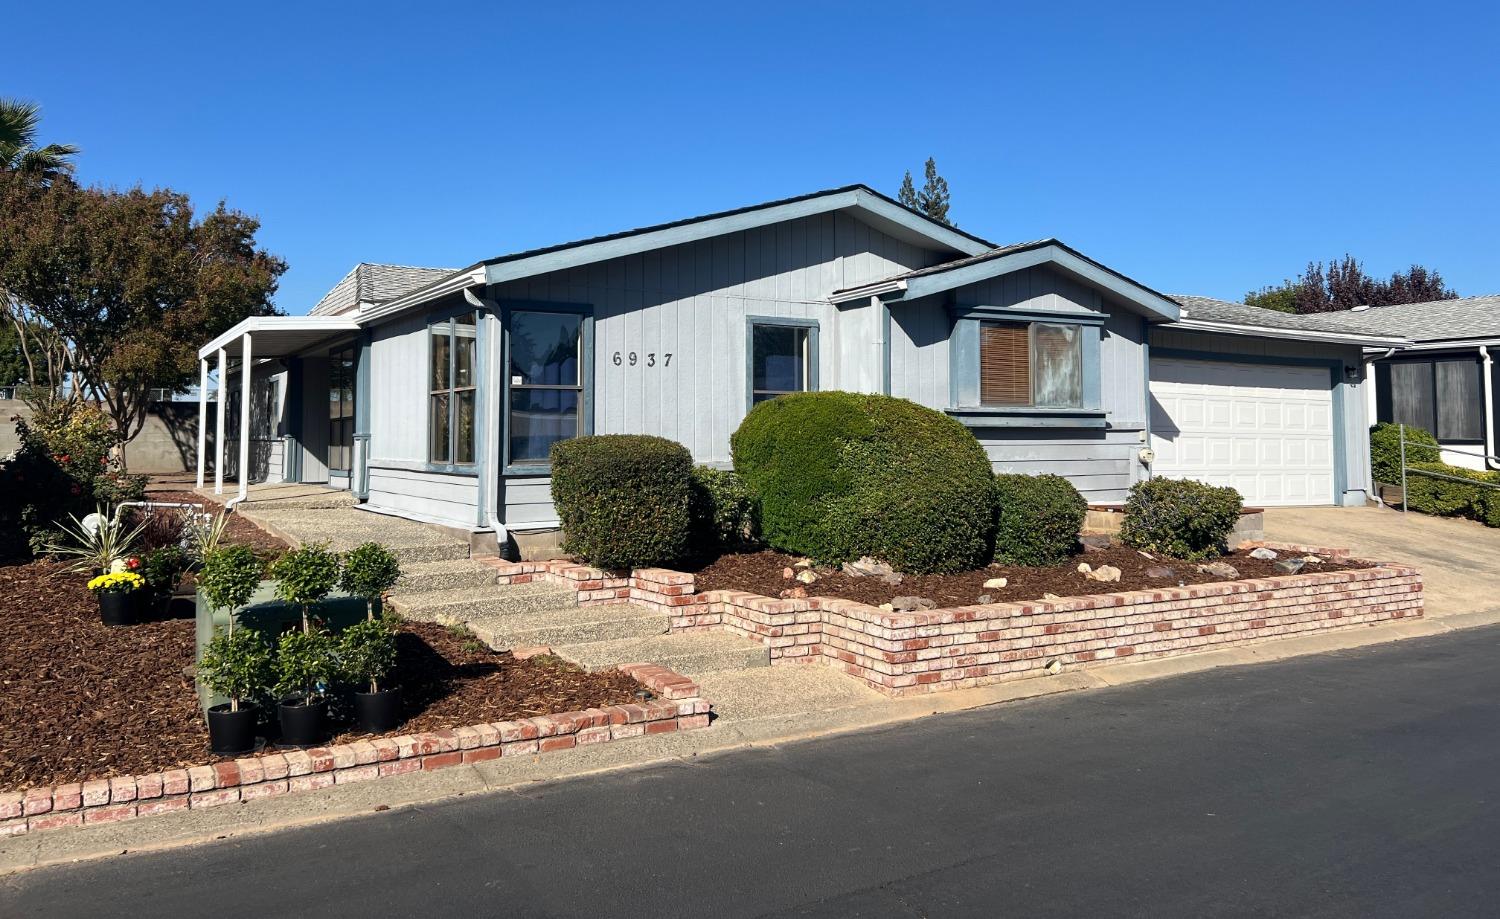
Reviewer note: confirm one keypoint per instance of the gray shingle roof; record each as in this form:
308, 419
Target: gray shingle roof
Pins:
1437, 320
369, 282
1211, 310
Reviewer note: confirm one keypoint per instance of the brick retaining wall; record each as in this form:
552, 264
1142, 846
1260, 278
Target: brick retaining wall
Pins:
900, 653
679, 706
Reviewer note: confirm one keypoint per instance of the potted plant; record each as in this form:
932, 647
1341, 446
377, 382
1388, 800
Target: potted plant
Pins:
229, 578
305, 576
369, 571
98, 543
163, 569
117, 594
305, 663
237, 665
367, 654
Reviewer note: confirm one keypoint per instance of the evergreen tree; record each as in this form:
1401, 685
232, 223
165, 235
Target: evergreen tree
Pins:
932, 200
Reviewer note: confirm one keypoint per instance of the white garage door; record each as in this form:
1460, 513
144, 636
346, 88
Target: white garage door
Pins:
1265, 429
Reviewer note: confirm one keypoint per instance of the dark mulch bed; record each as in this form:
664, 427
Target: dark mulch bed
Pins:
81, 700
240, 530
762, 573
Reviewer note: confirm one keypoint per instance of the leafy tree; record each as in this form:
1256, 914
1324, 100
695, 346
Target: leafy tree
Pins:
932, 200
1343, 284
12, 356
18, 144
131, 282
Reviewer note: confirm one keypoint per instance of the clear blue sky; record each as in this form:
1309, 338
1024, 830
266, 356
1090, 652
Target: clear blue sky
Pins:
1201, 148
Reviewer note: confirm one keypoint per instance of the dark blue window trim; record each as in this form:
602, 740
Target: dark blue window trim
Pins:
586, 363
813, 326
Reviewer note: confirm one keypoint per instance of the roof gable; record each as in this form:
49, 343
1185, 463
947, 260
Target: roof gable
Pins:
1006, 259
372, 282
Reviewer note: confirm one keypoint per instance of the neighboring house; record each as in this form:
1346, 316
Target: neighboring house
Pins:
453, 392
1446, 382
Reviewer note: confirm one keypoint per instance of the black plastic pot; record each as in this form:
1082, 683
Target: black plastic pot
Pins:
117, 607
378, 712
302, 720
232, 732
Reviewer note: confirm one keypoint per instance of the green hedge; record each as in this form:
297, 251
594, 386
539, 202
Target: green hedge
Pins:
723, 511
1037, 519
623, 499
839, 475
1180, 517
1385, 451
1447, 498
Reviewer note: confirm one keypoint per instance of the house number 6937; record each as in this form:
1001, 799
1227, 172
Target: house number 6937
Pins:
633, 358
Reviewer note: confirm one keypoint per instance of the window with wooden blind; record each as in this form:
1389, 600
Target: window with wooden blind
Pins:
1030, 364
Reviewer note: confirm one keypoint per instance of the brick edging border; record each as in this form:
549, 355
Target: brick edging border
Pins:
679, 706
903, 652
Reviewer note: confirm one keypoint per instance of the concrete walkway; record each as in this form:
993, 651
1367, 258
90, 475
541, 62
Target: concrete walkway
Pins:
1458, 558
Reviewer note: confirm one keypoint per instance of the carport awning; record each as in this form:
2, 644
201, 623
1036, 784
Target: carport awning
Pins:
281, 336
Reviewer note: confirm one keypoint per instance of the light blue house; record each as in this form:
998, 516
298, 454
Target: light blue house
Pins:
435, 394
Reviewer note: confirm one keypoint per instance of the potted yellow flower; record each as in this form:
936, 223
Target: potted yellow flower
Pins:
117, 594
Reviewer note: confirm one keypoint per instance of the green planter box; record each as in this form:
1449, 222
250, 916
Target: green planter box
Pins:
270, 616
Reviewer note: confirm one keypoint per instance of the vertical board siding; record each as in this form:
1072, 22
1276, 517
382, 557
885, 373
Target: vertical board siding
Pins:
919, 351
398, 390
691, 301
1122, 369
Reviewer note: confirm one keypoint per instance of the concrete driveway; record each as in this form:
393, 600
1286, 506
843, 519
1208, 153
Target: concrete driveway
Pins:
1458, 559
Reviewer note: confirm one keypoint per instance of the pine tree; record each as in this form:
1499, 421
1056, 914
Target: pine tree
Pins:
932, 200
908, 193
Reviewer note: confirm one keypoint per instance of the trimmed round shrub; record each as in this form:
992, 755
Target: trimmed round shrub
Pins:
1182, 518
1385, 451
723, 511
1037, 519
841, 475
623, 499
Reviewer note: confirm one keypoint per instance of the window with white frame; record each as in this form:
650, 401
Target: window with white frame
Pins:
452, 390
1030, 364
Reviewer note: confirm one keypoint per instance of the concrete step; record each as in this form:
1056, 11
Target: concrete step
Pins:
469, 603
270, 497
688, 653
425, 577
555, 627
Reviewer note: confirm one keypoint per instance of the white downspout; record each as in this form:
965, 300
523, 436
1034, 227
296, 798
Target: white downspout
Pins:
202, 416
244, 463
219, 425
1489, 407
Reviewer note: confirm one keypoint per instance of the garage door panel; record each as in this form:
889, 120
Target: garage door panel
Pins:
1266, 430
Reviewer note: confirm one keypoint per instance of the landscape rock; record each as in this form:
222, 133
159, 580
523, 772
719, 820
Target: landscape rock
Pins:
794, 593
1262, 553
985, 598
887, 607
1313, 559
868, 567
1221, 570
912, 604
787, 573
1161, 573
807, 576
995, 583
803, 563
1051, 597
1107, 574
1290, 565
892, 579
1084, 567
1095, 542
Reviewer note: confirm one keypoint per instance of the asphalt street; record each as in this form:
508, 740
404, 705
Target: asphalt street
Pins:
1362, 783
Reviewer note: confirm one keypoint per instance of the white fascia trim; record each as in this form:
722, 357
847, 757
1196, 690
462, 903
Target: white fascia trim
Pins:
278, 323
1456, 344
1233, 328
460, 280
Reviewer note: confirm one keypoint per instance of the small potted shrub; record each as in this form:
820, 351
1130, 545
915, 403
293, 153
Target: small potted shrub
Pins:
237, 665
305, 663
305, 576
229, 578
163, 569
369, 571
367, 654
117, 596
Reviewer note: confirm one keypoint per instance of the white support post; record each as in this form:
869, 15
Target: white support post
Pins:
202, 415
245, 368
219, 424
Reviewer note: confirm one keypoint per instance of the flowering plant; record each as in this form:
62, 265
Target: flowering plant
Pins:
117, 582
